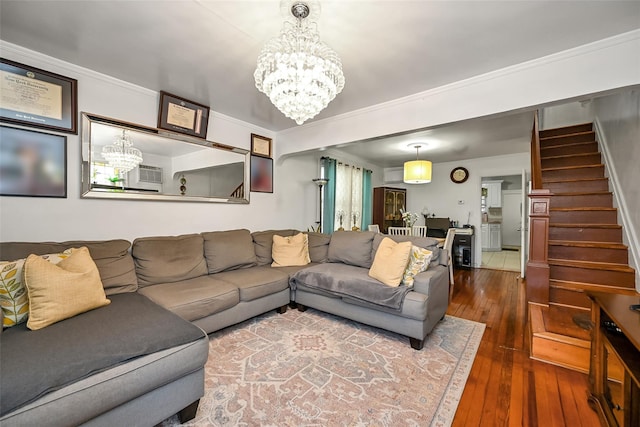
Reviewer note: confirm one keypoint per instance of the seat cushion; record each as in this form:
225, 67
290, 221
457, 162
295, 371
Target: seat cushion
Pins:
256, 282
195, 298
228, 250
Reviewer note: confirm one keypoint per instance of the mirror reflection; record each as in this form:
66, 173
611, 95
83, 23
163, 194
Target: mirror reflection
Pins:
124, 160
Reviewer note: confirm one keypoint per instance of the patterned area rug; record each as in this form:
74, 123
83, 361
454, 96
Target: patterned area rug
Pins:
316, 369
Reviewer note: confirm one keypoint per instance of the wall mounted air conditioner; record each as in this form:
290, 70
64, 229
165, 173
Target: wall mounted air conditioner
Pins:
149, 174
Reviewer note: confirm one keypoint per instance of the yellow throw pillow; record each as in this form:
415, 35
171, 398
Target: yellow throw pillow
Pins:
13, 294
63, 290
418, 262
390, 261
291, 250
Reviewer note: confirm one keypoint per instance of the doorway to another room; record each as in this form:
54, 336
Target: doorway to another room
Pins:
502, 222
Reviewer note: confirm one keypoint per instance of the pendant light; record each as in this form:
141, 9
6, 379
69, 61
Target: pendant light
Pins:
417, 171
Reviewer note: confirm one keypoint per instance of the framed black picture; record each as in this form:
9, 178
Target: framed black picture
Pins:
177, 114
33, 164
33, 97
261, 174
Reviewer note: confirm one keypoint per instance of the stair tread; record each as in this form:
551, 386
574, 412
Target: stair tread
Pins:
567, 156
580, 287
595, 165
573, 225
587, 244
565, 134
586, 208
592, 265
566, 144
583, 193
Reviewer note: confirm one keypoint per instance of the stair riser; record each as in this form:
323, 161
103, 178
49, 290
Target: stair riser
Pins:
567, 139
582, 201
577, 186
587, 275
611, 235
580, 160
618, 256
586, 127
584, 148
583, 217
592, 172
568, 297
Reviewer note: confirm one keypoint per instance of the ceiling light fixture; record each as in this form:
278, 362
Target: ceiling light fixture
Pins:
417, 171
122, 155
297, 71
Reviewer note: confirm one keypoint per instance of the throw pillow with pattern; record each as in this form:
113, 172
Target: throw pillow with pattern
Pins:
418, 262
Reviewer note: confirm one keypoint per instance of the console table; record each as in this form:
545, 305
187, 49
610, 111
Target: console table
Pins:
614, 373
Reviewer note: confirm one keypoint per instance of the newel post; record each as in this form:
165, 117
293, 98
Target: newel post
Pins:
538, 264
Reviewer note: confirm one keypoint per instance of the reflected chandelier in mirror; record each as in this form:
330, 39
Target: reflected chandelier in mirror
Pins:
123, 160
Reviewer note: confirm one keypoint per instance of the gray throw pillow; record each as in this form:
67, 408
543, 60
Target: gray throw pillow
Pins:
351, 247
229, 250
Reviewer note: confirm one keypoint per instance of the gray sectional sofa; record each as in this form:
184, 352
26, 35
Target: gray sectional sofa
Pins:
140, 359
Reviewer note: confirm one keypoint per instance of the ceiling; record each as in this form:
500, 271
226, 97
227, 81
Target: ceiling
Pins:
206, 51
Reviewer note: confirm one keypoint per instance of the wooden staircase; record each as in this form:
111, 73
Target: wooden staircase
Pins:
585, 249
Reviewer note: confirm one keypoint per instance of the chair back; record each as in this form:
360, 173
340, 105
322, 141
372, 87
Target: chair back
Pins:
448, 241
399, 231
374, 228
419, 230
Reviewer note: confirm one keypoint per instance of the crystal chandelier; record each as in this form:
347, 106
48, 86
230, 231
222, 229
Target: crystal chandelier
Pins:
122, 155
297, 71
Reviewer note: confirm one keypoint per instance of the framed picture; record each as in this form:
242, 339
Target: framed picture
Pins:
180, 115
33, 97
33, 163
261, 174
260, 145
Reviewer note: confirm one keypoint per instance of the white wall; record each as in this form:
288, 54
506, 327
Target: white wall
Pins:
618, 125
441, 196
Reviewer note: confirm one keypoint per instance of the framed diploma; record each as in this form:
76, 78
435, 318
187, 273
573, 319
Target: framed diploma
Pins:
33, 97
180, 115
34, 164
260, 145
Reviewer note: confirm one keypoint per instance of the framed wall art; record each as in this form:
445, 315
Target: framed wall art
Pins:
33, 97
260, 145
34, 164
261, 174
177, 114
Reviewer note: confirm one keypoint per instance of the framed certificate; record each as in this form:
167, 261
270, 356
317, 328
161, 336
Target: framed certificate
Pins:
260, 145
177, 114
33, 97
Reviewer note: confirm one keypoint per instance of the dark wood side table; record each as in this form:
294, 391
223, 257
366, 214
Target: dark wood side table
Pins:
614, 373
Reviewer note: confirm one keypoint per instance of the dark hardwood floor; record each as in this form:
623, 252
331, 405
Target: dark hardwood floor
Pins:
505, 387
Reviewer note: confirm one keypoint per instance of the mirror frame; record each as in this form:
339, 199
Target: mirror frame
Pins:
86, 158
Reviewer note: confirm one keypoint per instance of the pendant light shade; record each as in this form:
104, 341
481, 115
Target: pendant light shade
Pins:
417, 171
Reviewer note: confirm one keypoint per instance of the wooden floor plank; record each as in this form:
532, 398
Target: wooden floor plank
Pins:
506, 387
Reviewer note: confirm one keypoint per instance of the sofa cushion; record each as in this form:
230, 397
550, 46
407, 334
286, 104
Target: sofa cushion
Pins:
290, 250
193, 299
166, 259
14, 298
351, 247
112, 258
63, 290
319, 246
418, 262
263, 243
423, 242
35, 363
228, 250
256, 282
390, 262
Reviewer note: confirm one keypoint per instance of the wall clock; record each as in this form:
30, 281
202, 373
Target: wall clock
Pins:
459, 175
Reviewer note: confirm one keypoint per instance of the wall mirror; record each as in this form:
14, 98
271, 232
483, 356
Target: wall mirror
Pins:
172, 167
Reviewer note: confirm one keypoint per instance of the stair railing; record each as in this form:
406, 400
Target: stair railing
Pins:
239, 191
539, 199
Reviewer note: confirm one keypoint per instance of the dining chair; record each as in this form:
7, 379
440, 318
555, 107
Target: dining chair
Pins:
374, 228
419, 230
399, 231
448, 245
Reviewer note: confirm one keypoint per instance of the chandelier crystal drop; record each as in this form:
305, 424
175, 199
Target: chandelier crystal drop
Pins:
122, 155
297, 71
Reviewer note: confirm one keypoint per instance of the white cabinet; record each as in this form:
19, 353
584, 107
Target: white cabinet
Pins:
494, 193
491, 236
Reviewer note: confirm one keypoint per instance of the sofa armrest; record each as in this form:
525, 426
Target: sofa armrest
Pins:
425, 282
